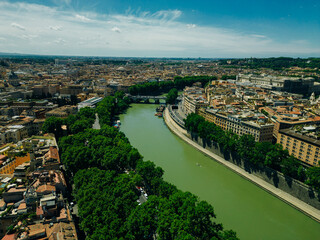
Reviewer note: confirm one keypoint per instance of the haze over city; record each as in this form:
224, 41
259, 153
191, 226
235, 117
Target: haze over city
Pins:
126, 28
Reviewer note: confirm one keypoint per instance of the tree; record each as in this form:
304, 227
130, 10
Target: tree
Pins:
245, 147
313, 175
142, 222
53, 125
172, 96
183, 216
151, 174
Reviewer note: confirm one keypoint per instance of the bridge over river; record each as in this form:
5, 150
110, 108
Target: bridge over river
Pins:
146, 99
149, 99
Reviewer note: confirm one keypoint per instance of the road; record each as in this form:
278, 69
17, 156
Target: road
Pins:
96, 124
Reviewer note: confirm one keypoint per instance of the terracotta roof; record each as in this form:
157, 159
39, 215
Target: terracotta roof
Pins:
39, 211
9, 237
46, 187
22, 206
316, 118
11, 190
53, 153
2, 203
36, 229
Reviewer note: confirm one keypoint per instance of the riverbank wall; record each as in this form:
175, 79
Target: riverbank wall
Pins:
271, 176
291, 191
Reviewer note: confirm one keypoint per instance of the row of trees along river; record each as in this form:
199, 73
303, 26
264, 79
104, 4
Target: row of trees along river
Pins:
105, 170
241, 205
259, 153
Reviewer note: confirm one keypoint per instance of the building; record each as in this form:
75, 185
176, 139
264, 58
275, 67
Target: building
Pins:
9, 166
62, 112
305, 148
297, 85
243, 124
193, 99
92, 102
13, 133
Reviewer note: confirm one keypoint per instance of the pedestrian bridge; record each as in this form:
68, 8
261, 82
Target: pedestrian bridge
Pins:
146, 99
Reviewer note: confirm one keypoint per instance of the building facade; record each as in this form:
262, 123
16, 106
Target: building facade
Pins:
302, 147
240, 126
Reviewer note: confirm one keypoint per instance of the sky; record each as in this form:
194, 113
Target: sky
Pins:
176, 28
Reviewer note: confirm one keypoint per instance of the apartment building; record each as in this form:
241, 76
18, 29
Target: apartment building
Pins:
13, 133
193, 99
62, 112
260, 129
303, 147
288, 84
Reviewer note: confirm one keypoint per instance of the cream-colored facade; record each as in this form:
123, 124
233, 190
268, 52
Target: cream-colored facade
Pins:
260, 132
193, 99
13, 133
304, 148
191, 105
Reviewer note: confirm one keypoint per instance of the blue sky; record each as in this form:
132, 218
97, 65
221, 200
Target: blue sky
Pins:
136, 28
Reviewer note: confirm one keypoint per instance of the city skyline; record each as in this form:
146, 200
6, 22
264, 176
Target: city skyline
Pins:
125, 28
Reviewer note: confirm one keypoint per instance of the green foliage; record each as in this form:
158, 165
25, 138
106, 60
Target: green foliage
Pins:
262, 154
265, 112
313, 175
151, 174
53, 125
274, 63
4, 63
183, 216
110, 106
20, 154
105, 200
156, 88
106, 149
106, 170
172, 96
181, 82
226, 77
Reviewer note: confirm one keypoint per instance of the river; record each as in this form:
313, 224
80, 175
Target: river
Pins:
239, 204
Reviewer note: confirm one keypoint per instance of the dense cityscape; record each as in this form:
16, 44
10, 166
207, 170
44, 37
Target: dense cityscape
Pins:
46, 101
159, 120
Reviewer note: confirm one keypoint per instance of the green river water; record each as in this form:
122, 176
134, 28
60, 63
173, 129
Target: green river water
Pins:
239, 204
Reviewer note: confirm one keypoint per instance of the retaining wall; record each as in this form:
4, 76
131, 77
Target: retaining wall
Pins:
285, 183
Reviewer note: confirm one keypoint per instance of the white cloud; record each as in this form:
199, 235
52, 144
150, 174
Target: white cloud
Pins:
258, 36
60, 41
82, 18
159, 34
28, 37
168, 15
55, 28
16, 25
191, 25
116, 29
59, 2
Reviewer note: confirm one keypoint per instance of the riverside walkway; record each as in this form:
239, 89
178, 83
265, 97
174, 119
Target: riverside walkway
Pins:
96, 124
296, 203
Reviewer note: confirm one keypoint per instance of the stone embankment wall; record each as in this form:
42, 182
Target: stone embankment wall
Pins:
285, 183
